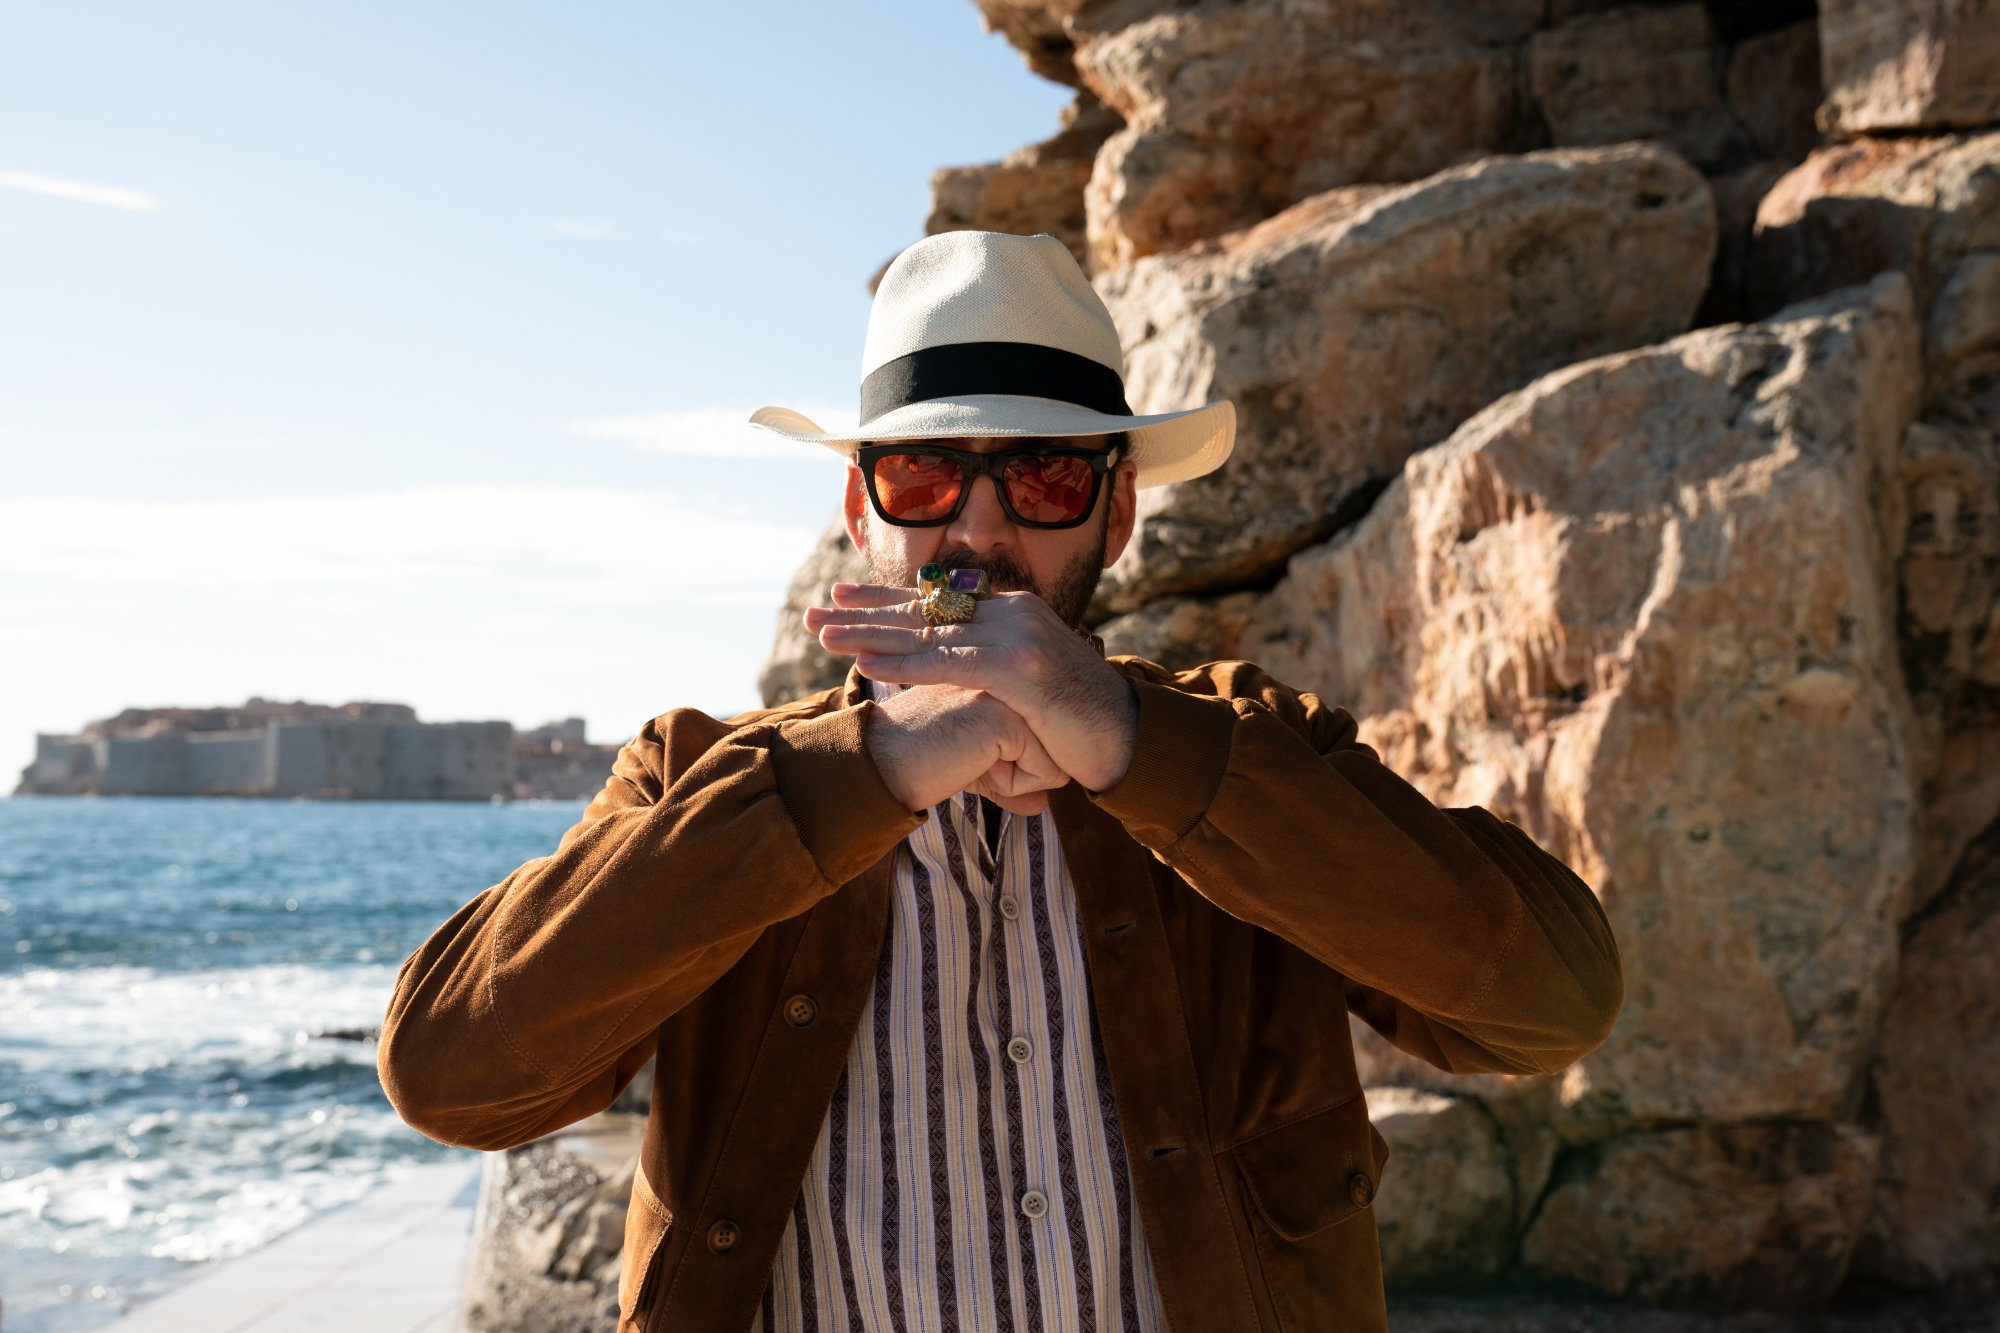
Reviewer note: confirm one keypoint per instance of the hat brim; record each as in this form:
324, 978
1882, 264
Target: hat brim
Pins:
1167, 447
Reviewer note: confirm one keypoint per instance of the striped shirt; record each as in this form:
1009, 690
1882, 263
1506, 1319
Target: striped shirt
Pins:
970, 1174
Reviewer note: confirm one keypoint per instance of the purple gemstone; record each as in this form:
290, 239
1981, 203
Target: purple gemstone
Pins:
967, 580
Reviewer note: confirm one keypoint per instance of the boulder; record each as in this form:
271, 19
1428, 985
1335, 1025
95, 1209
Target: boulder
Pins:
1446, 1214
548, 1233
1036, 189
1641, 72
1364, 324
1646, 608
1962, 332
1909, 64
1523, 1109
796, 665
1234, 112
1773, 85
1936, 1212
1926, 204
1179, 632
1039, 30
1759, 1215
1950, 571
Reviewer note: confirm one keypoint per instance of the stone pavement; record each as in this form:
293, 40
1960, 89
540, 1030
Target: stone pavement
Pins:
392, 1261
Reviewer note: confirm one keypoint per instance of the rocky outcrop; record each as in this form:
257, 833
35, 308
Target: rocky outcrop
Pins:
1926, 204
1450, 1221
1235, 112
1936, 1210
549, 1232
1496, 621
1641, 72
1034, 189
797, 665
1361, 325
1909, 64
1645, 608
1622, 453
1644, 1215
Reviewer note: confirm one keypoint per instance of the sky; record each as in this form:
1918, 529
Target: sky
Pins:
400, 352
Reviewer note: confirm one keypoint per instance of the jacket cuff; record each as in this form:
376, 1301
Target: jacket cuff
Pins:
846, 816
1177, 763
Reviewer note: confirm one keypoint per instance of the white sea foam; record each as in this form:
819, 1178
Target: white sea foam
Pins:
189, 1116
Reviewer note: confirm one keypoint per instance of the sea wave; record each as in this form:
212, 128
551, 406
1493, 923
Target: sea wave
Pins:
185, 1116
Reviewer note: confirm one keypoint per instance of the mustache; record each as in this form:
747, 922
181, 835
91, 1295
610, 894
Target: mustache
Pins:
1001, 570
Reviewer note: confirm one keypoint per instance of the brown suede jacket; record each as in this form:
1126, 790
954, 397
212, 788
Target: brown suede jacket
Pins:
1255, 876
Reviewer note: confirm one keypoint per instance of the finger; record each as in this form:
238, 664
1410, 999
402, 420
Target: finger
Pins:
950, 664
870, 594
1031, 802
1020, 782
905, 614
897, 639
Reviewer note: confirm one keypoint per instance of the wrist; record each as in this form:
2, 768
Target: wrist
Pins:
883, 737
1122, 732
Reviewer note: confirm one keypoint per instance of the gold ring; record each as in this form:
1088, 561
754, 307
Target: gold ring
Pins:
942, 606
951, 596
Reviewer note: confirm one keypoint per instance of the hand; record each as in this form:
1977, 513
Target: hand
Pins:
1016, 649
932, 741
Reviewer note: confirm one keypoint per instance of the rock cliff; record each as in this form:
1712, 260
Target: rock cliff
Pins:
1707, 605
1618, 388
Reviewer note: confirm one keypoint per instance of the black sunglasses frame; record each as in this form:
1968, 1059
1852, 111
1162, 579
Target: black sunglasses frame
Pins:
977, 465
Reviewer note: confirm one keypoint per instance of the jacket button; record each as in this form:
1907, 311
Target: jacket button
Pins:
722, 1237
800, 1011
1360, 1189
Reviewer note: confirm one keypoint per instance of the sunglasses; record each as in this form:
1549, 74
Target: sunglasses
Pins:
924, 486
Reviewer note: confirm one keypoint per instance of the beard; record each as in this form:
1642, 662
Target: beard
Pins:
1069, 598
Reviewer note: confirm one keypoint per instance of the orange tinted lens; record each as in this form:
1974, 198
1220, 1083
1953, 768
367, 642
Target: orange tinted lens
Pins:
917, 486
1049, 490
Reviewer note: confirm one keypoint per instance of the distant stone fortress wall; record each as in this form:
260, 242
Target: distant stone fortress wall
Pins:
351, 752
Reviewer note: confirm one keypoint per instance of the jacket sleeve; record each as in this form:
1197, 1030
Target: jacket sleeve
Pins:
1458, 937
538, 1001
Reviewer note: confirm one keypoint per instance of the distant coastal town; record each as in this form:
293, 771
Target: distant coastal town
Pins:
352, 751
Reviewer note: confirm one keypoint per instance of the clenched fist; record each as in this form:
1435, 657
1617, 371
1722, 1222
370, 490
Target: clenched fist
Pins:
1079, 707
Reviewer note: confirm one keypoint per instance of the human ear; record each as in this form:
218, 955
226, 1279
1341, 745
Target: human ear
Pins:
1124, 486
854, 508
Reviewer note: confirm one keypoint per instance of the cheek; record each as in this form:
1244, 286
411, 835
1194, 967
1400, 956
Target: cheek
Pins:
895, 554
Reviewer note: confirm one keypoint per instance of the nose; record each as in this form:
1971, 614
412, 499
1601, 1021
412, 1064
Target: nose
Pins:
982, 525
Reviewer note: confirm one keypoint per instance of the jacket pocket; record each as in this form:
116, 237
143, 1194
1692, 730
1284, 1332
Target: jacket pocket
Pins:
647, 1222
1310, 1187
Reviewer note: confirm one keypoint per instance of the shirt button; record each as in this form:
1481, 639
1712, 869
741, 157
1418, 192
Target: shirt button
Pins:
801, 1010
1360, 1189
722, 1237
1034, 1203
1018, 1050
1009, 908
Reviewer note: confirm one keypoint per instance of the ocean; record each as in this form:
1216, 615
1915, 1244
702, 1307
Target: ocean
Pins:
184, 989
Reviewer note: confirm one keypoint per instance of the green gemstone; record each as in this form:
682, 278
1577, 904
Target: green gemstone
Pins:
931, 573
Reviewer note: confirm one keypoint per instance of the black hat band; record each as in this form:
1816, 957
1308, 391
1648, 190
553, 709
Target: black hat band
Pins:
955, 370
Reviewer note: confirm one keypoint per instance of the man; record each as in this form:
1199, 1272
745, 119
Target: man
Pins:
1006, 986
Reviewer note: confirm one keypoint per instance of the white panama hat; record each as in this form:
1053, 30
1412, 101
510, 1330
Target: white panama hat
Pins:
986, 333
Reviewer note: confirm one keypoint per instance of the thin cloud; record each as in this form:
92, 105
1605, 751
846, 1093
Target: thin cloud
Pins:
707, 432
582, 545
583, 229
82, 192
